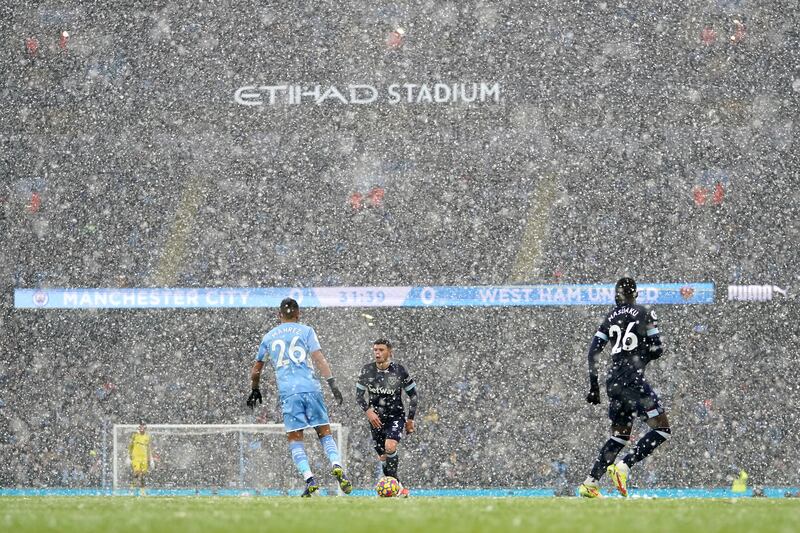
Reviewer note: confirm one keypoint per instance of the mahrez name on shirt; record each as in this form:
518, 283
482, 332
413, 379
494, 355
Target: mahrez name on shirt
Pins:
285, 330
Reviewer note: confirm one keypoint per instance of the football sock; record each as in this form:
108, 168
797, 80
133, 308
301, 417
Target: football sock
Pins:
300, 458
607, 455
391, 464
329, 445
646, 445
383, 467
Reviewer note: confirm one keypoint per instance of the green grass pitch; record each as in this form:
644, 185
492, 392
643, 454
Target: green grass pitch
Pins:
66, 514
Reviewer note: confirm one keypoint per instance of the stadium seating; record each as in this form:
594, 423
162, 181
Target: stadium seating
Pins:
662, 135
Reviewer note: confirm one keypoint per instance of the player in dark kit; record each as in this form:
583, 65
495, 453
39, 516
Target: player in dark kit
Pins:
634, 333
385, 382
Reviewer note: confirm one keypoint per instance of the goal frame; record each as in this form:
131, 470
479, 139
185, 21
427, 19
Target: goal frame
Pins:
339, 431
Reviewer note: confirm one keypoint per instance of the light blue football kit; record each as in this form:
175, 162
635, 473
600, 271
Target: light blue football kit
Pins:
289, 346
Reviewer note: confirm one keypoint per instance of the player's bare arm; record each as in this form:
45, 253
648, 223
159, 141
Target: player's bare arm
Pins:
255, 380
322, 364
325, 371
374, 419
255, 374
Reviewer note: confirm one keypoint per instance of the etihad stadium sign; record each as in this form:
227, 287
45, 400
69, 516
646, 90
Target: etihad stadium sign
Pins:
364, 94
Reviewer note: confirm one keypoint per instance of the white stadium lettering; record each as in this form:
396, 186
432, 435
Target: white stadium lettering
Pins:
364, 94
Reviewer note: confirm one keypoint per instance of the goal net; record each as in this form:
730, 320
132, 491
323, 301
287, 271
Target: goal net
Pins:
222, 456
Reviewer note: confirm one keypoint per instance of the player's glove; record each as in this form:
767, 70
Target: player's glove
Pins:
594, 391
335, 390
255, 396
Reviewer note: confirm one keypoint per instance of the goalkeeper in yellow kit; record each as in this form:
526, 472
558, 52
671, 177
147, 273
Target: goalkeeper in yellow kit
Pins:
140, 457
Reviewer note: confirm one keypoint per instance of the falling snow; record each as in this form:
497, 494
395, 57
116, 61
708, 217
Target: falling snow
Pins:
398, 144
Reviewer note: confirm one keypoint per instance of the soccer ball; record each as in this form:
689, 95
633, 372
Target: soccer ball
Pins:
387, 487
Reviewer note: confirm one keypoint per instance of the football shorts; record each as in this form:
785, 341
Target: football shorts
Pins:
139, 466
392, 429
304, 410
629, 400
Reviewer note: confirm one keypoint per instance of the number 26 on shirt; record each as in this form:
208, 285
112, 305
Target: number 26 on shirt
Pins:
297, 354
626, 342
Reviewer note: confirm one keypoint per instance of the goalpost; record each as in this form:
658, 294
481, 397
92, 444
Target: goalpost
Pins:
222, 456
